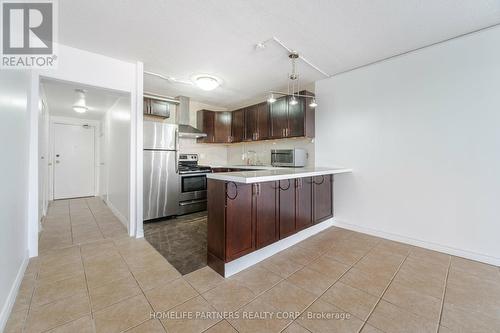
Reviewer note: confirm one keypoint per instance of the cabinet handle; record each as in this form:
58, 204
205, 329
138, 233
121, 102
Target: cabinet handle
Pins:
322, 180
284, 189
256, 189
236, 191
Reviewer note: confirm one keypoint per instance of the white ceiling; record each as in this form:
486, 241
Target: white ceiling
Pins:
60, 97
182, 38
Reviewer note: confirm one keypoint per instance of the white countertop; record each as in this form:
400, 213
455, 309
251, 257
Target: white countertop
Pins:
271, 174
244, 166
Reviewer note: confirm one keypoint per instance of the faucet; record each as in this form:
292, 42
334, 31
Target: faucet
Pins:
251, 161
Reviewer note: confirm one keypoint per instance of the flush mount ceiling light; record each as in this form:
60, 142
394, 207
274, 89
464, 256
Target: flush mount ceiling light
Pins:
80, 105
203, 81
206, 82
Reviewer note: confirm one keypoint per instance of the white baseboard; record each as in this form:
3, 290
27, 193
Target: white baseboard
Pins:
421, 243
250, 259
117, 213
11, 298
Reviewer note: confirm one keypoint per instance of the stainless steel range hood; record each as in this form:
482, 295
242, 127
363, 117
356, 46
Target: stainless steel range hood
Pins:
185, 129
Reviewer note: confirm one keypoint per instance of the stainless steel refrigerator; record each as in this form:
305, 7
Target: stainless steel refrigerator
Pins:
161, 172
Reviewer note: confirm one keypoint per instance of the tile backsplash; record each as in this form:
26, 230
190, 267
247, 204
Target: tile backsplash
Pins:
237, 153
209, 154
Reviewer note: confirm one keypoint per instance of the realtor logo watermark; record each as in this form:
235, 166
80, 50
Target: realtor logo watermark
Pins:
28, 34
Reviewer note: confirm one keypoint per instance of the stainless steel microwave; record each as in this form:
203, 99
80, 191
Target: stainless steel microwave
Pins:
294, 158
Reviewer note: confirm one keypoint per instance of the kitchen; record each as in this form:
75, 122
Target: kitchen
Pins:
176, 166
249, 166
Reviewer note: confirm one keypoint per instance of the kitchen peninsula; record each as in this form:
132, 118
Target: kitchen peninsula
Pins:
254, 214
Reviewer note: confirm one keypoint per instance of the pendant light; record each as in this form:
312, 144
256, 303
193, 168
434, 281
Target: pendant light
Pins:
271, 98
80, 105
293, 89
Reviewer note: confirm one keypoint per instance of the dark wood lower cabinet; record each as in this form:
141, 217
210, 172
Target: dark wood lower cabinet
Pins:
240, 235
286, 207
322, 197
266, 213
303, 203
245, 217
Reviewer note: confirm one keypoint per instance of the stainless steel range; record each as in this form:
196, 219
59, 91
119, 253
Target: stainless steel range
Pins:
193, 184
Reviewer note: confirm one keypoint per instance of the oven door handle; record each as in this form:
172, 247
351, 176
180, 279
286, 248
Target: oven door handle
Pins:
190, 202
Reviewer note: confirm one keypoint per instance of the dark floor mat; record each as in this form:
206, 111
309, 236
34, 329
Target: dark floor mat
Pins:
182, 240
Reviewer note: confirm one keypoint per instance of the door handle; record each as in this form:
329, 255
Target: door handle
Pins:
176, 150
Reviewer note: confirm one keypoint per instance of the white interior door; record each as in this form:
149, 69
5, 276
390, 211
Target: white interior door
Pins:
74, 164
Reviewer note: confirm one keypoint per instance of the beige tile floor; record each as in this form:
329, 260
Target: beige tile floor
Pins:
90, 277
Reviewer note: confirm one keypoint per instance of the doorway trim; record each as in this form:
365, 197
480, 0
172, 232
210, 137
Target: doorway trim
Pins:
133, 85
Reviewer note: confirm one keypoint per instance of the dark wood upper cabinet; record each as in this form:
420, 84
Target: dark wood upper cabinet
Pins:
259, 122
262, 121
323, 197
309, 116
251, 119
266, 213
296, 119
206, 122
292, 120
303, 203
217, 126
286, 208
155, 107
278, 113
223, 127
240, 236
238, 125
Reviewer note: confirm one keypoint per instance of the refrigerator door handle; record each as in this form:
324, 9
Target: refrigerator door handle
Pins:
176, 150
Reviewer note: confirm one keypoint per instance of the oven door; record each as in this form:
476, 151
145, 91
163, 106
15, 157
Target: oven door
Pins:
193, 186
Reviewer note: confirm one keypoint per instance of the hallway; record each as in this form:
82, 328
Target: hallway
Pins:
78, 221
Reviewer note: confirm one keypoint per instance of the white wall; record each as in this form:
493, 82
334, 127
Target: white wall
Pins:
117, 136
14, 87
421, 132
